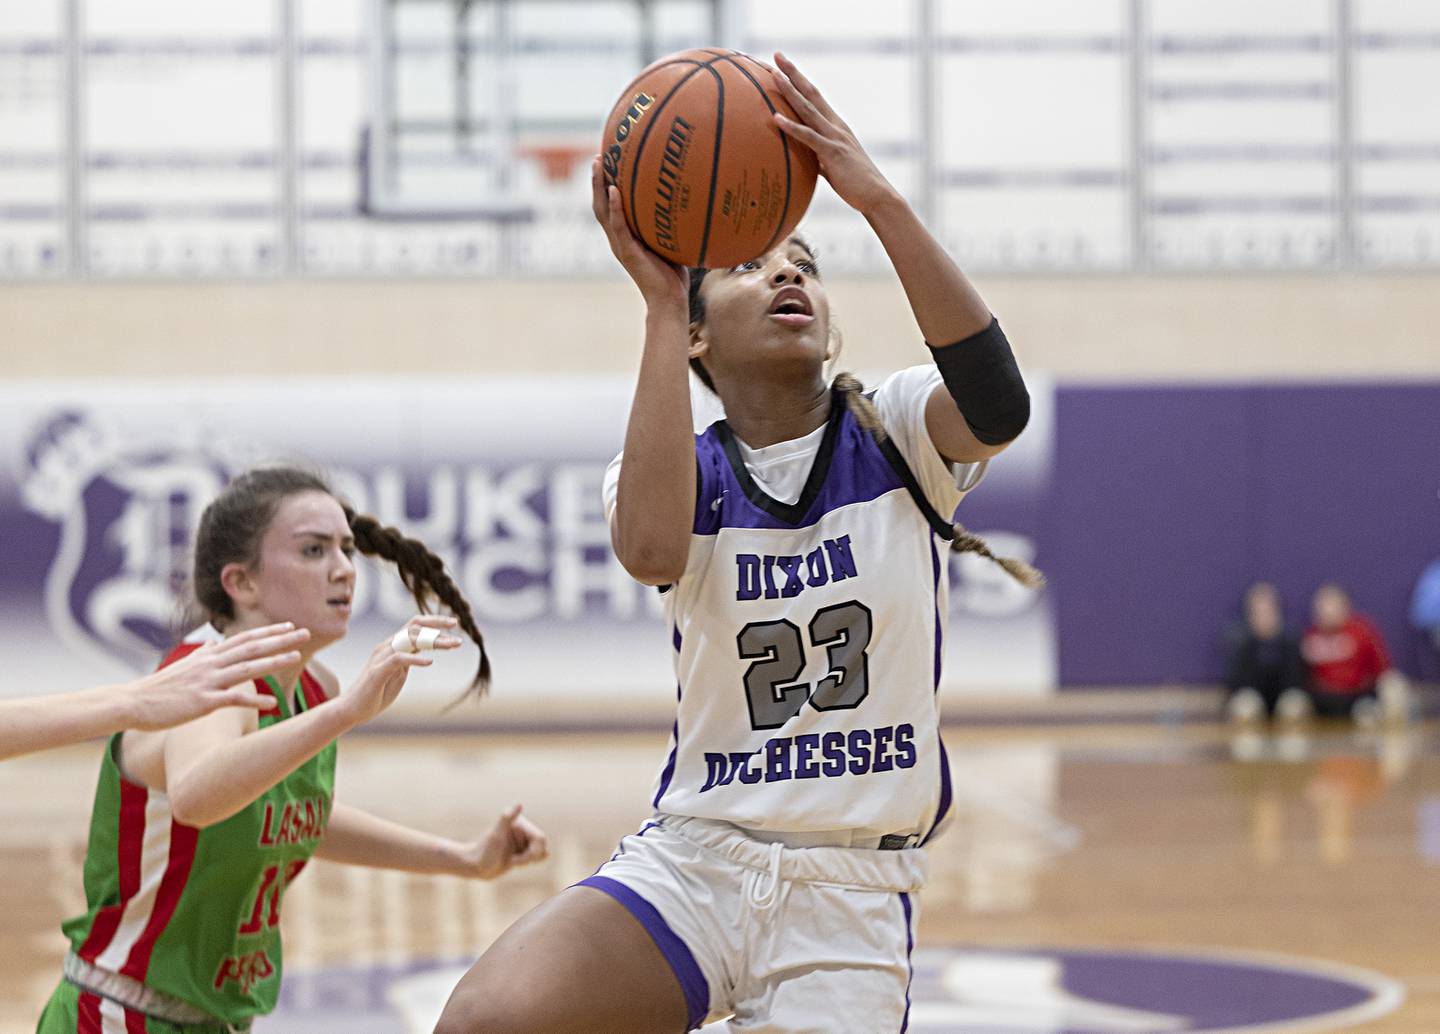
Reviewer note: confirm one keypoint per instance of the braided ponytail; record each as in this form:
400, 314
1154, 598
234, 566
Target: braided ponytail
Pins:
424, 575
963, 540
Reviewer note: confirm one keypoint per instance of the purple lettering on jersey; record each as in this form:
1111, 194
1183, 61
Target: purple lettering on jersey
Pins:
832, 561
747, 576
818, 573
748, 775
862, 752
777, 760
716, 768
905, 744
842, 561
794, 585
805, 747
883, 760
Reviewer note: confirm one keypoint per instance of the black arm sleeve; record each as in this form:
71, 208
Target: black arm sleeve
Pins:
984, 380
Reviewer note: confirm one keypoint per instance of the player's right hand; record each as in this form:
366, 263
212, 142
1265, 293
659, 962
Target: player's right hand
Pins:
218, 674
659, 281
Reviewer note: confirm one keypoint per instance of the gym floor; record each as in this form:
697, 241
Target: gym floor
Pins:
1097, 878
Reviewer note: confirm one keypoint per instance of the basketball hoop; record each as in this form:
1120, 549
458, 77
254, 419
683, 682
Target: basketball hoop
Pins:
557, 161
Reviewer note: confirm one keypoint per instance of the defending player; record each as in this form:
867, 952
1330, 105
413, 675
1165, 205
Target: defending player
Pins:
801, 542
198, 831
214, 676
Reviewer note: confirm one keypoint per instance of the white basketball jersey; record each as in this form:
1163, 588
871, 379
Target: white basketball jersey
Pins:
807, 633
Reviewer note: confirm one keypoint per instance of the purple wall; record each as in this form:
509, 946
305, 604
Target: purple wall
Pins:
1168, 501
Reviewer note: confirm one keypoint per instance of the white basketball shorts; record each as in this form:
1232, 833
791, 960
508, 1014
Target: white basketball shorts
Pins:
779, 939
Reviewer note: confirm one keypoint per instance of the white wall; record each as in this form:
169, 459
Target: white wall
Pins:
1082, 328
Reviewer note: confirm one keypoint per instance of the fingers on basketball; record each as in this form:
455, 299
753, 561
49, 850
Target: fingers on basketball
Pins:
690, 193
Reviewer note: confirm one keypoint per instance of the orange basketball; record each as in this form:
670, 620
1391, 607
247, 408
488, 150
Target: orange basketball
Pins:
706, 178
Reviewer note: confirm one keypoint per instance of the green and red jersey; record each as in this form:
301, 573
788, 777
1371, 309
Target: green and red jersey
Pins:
195, 913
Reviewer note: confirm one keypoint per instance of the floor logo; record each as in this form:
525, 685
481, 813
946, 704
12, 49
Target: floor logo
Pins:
967, 991
1077, 991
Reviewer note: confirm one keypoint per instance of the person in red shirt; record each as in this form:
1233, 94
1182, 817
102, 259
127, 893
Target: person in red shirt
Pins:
1346, 658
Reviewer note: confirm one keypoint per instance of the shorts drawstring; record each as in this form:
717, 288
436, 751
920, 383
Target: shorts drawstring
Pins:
766, 901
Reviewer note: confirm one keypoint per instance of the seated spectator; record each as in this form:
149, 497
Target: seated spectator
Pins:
1350, 672
1264, 658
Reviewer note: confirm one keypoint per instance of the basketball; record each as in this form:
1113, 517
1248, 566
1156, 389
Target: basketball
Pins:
706, 178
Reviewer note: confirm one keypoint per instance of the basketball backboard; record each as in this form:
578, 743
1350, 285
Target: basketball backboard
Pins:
484, 109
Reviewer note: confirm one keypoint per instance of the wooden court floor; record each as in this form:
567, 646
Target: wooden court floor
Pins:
1324, 846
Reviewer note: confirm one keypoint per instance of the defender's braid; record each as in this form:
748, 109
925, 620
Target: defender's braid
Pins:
965, 540
424, 575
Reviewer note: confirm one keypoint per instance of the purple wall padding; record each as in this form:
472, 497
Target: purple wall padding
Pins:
1169, 501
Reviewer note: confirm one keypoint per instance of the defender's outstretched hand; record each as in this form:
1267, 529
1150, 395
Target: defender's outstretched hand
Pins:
218, 674
215, 676
384, 674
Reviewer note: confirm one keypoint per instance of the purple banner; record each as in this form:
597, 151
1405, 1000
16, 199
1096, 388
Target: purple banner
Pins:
102, 485
1169, 501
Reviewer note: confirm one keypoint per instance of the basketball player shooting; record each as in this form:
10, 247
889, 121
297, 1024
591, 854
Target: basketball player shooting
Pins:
798, 544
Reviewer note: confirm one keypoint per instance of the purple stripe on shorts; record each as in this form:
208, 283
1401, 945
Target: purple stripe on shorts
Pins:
909, 951
682, 962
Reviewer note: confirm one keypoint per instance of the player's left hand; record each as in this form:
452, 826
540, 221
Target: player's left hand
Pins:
842, 160
513, 841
